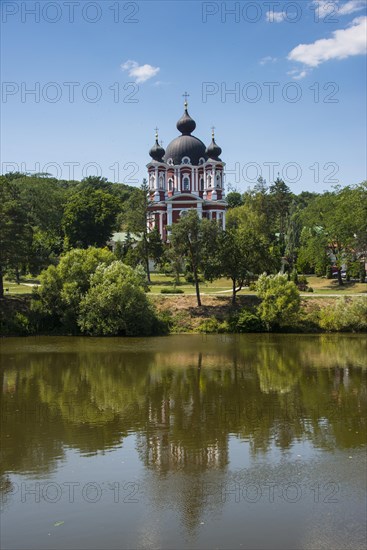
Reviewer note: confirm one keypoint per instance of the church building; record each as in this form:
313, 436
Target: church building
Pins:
187, 175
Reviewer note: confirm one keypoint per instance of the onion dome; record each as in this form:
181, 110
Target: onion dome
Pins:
157, 152
186, 125
213, 150
185, 145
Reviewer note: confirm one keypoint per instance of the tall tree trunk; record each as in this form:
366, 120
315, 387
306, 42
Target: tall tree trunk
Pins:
1, 283
234, 292
340, 280
197, 287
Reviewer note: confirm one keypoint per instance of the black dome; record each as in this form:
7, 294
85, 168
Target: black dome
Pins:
157, 152
213, 151
185, 146
186, 125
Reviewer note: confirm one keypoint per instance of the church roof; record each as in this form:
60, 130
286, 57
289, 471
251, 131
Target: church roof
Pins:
185, 145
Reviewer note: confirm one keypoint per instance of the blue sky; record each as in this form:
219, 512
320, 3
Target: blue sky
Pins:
297, 71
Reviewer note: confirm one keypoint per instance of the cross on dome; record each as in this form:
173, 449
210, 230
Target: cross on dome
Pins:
185, 95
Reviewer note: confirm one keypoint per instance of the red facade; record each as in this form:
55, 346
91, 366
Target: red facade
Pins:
186, 176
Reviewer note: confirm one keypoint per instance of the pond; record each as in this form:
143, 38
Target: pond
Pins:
247, 441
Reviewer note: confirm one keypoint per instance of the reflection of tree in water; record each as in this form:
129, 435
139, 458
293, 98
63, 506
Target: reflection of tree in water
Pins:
183, 404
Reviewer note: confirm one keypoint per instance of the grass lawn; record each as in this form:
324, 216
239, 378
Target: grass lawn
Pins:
25, 287
321, 285
160, 281
223, 286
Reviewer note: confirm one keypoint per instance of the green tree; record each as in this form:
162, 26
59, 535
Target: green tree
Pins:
196, 241
292, 236
335, 225
136, 217
280, 198
90, 218
155, 247
62, 287
234, 199
281, 300
15, 231
245, 249
116, 303
45, 199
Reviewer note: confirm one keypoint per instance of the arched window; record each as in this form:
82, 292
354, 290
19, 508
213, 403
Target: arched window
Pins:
161, 181
170, 184
186, 160
219, 180
209, 180
186, 184
201, 184
152, 180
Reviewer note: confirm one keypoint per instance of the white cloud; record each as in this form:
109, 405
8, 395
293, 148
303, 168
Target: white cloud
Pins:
344, 43
298, 74
352, 6
140, 73
275, 16
268, 59
331, 9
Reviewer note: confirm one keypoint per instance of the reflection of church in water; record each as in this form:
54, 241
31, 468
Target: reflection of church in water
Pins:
166, 454
187, 175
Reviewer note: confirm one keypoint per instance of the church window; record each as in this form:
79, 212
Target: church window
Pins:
186, 160
186, 184
201, 184
161, 182
170, 184
218, 180
209, 180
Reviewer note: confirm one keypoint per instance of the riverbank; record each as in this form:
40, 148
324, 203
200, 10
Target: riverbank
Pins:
180, 314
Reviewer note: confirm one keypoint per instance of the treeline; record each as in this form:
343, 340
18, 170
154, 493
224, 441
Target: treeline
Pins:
42, 217
47, 224
317, 233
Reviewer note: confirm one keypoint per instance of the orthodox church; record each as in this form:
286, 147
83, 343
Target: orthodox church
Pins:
187, 175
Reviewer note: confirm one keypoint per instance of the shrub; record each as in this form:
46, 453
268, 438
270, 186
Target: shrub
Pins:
209, 326
172, 291
116, 303
181, 323
302, 283
61, 288
345, 315
281, 301
15, 324
247, 321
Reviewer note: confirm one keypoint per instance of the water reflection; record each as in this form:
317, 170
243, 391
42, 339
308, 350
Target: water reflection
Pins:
72, 409
183, 402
